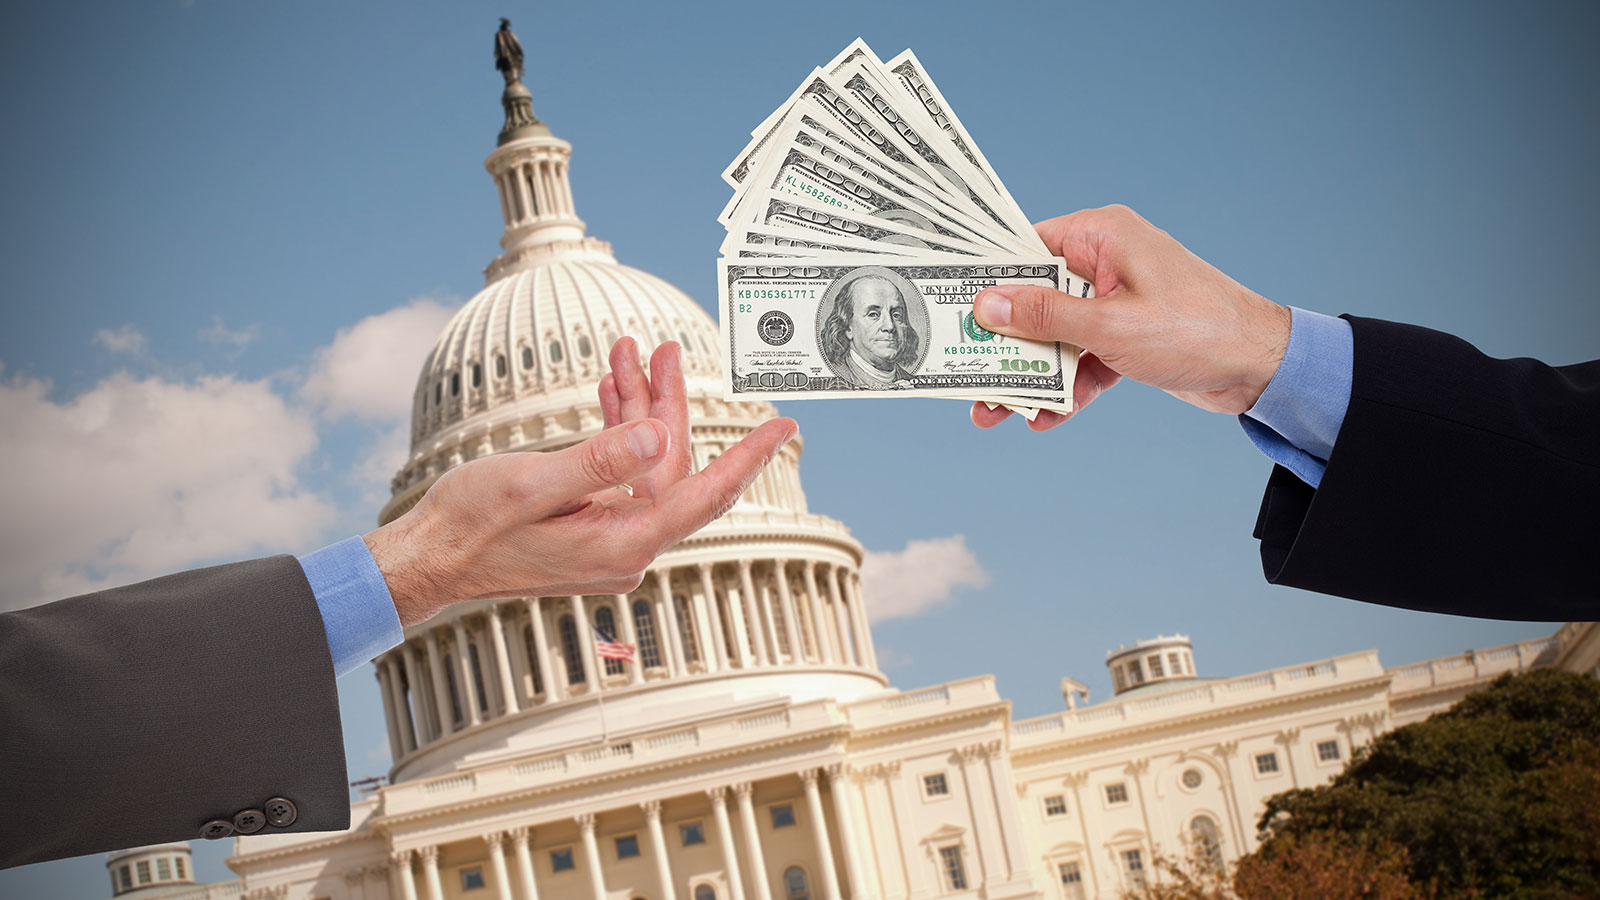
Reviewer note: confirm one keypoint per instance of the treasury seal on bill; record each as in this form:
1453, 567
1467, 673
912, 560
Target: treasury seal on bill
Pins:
871, 323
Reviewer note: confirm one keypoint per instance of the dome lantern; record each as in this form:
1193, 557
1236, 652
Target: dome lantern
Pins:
1155, 661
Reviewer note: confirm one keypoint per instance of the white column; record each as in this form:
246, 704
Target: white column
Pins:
519, 179
497, 864
441, 686
502, 183
402, 869
752, 611
430, 872
408, 739
849, 644
730, 855
714, 617
592, 674
797, 642
392, 715
658, 842
837, 600
844, 813
982, 810
677, 664
768, 623
1004, 788
916, 870
541, 646
530, 174
825, 654
852, 585
519, 843
591, 855
736, 619
752, 841
464, 682
424, 723
629, 636
702, 624
565, 182
819, 833
502, 660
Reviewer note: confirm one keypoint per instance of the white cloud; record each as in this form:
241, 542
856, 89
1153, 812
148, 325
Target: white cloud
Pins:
139, 477
370, 369
920, 578
890, 658
126, 339
220, 335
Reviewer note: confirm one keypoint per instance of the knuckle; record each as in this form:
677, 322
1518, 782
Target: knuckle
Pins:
600, 464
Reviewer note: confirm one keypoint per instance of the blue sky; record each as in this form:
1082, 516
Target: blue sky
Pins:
201, 197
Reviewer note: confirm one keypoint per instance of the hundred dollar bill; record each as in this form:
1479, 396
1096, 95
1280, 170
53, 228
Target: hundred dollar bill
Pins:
845, 326
775, 240
914, 81
799, 211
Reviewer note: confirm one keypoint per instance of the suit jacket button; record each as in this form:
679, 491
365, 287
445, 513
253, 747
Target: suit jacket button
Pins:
282, 812
216, 828
249, 821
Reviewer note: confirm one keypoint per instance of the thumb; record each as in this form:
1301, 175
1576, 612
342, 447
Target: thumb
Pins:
612, 457
1039, 313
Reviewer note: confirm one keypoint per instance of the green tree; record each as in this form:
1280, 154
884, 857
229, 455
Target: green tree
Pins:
1499, 797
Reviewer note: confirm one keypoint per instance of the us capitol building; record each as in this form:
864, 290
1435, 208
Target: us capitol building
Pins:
756, 751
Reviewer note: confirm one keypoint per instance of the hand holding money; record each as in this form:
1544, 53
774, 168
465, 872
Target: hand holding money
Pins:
864, 223
1164, 317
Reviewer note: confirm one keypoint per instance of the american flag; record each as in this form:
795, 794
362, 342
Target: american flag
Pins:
609, 647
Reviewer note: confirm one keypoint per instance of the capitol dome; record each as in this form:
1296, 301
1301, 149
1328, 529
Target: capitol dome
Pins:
763, 605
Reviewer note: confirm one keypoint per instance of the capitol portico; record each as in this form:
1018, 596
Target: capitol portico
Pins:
754, 750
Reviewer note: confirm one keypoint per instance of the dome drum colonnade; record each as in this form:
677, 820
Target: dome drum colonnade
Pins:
496, 659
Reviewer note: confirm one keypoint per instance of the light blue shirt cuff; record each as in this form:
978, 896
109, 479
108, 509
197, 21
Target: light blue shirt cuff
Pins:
1297, 418
357, 611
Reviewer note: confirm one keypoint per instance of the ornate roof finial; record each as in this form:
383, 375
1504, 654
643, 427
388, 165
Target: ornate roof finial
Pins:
518, 102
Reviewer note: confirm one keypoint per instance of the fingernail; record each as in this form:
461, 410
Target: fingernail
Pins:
993, 308
643, 440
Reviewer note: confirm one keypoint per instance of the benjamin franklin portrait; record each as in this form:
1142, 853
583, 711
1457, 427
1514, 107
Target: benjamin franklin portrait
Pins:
872, 322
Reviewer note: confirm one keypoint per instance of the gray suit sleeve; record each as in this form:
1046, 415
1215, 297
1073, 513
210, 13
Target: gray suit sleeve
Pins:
136, 715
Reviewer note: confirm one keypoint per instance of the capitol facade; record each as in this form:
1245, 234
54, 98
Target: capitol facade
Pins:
755, 751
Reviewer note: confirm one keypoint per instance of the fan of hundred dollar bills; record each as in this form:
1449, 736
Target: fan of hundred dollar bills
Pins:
863, 223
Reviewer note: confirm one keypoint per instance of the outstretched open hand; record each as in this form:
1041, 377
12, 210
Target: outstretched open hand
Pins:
565, 522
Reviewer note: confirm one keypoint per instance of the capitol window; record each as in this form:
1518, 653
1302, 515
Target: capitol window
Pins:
955, 870
569, 649
934, 785
499, 365
1133, 864
644, 625
455, 384
1175, 663
1071, 880
1155, 666
1328, 751
561, 860
126, 874
705, 892
477, 679
555, 351
178, 861
1192, 778
527, 357
163, 869
1055, 805
477, 375
627, 846
471, 879
533, 660
1116, 793
1135, 673
606, 621
585, 349
795, 886
782, 815
692, 833
1206, 840
1266, 763
144, 871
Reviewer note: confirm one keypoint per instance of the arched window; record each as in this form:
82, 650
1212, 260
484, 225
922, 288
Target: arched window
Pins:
438, 394
455, 383
644, 625
1206, 843
705, 892
477, 679
477, 375
527, 357
585, 349
569, 649
606, 621
794, 884
499, 365
533, 658
455, 692
555, 351
691, 644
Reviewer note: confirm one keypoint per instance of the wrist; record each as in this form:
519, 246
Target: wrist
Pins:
1265, 340
416, 579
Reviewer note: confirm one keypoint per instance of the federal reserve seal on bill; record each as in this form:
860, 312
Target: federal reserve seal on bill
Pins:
775, 327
